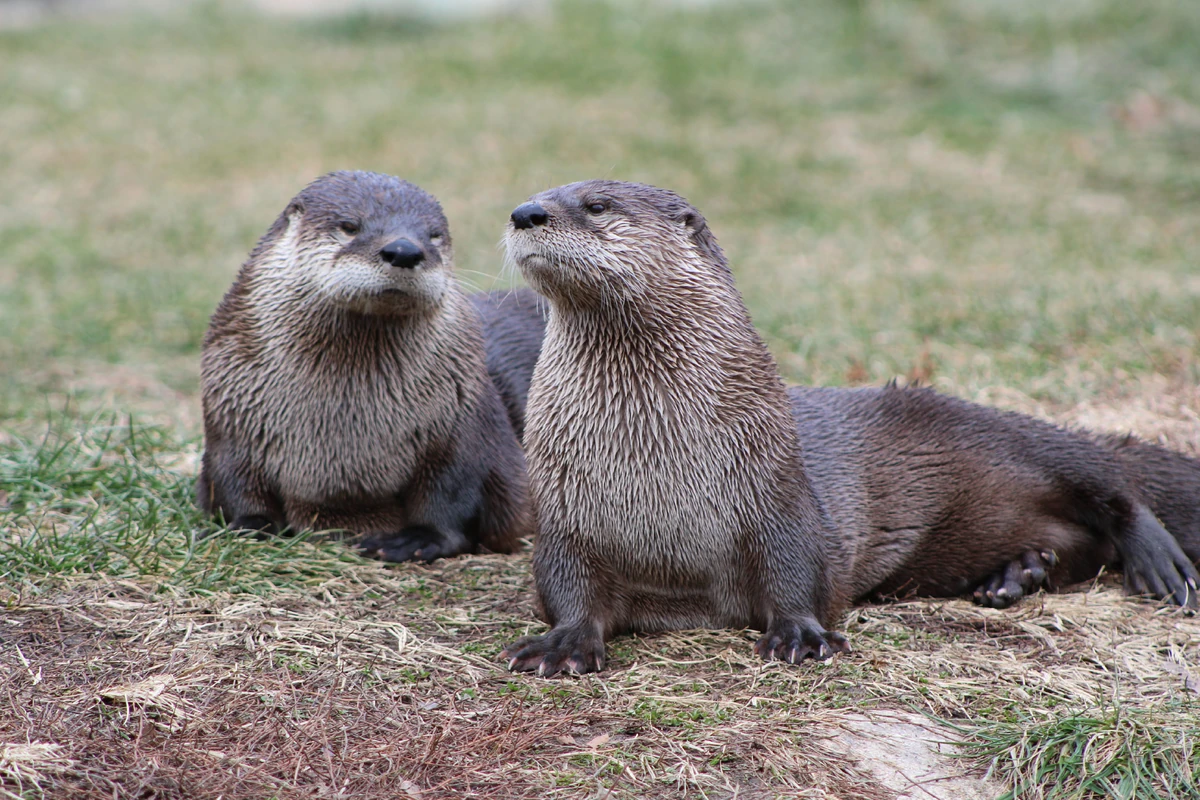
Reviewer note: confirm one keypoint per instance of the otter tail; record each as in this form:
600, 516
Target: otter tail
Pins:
1168, 482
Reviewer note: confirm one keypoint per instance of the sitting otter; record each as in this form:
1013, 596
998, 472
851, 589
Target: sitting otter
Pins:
345, 381
678, 484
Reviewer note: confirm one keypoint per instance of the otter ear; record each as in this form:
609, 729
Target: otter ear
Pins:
291, 216
692, 220
286, 221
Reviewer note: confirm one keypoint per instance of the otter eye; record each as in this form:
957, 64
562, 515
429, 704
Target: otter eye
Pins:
349, 228
597, 208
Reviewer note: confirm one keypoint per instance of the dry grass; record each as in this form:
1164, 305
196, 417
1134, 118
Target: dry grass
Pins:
384, 682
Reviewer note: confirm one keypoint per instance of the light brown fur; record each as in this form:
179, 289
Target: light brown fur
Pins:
341, 391
677, 483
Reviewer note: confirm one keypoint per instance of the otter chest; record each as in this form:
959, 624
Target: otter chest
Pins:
336, 429
649, 485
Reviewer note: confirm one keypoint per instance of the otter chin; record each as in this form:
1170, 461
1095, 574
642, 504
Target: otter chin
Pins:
346, 382
678, 483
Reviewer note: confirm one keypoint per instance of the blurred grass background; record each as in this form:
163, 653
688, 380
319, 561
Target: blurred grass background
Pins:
975, 192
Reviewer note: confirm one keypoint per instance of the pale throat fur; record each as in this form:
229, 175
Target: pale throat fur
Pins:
397, 380
683, 411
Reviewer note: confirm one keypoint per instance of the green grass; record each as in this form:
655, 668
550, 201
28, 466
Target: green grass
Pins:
97, 499
897, 183
1121, 753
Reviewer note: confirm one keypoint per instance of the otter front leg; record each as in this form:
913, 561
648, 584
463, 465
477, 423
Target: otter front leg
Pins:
228, 491
1019, 578
442, 506
799, 590
578, 606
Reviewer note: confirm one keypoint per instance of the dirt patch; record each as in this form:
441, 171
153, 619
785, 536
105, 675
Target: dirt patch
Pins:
911, 755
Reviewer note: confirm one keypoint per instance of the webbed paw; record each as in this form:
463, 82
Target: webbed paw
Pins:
1155, 565
795, 641
415, 544
576, 649
1019, 578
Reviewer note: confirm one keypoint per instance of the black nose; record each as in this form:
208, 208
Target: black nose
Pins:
527, 215
402, 253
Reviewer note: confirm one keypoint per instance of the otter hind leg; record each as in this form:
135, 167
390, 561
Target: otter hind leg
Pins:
1154, 564
416, 543
1019, 578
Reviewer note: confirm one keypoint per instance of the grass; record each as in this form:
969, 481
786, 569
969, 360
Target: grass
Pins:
1124, 753
998, 198
109, 499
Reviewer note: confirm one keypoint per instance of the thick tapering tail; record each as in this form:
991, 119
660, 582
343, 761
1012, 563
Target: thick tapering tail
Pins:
1168, 482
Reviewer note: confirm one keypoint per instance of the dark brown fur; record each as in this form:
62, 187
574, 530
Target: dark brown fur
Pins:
513, 324
342, 391
678, 484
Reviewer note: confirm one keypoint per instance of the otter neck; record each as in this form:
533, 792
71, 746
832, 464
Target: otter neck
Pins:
691, 354
308, 330
679, 325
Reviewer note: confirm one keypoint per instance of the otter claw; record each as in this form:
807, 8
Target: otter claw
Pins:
1015, 580
794, 643
574, 650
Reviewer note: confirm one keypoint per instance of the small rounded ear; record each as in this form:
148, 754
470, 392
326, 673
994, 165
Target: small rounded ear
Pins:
286, 221
692, 221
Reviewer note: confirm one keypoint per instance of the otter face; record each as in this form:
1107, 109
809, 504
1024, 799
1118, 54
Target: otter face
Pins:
597, 242
365, 242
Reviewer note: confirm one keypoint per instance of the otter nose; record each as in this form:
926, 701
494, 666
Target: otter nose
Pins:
529, 214
402, 253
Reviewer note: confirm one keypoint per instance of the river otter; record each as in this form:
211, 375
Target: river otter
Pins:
514, 321
345, 382
677, 483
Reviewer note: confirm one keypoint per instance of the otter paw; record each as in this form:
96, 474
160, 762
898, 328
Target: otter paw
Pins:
414, 544
793, 642
1155, 565
1020, 577
574, 649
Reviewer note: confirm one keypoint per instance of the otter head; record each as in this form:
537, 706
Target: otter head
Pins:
361, 241
599, 242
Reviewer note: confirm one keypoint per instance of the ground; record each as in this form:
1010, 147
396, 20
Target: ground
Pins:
998, 199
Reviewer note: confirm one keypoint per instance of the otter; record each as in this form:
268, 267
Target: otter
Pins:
514, 322
345, 381
677, 483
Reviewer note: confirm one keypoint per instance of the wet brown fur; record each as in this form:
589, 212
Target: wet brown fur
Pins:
342, 392
677, 483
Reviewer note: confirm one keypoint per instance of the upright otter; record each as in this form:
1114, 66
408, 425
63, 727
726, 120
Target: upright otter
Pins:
677, 484
345, 383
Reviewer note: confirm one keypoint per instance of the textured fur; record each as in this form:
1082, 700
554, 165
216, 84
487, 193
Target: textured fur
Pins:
678, 484
342, 392
513, 325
